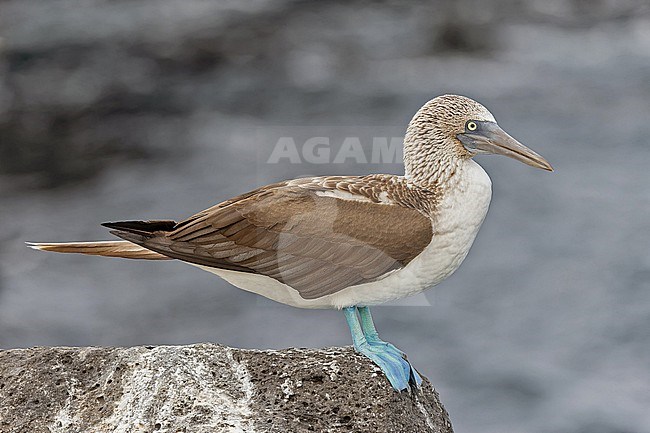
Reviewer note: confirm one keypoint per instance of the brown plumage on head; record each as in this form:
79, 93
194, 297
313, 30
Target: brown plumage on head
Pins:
431, 150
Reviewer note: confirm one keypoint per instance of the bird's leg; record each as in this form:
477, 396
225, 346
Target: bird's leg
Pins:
372, 337
390, 364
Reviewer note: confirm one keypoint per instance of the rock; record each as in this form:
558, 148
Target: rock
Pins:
206, 388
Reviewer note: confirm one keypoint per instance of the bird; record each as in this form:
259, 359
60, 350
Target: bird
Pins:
345, 242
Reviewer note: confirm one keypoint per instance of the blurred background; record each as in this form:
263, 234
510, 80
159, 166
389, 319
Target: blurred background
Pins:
114, 110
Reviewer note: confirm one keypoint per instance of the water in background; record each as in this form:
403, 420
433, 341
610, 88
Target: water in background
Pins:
158, 109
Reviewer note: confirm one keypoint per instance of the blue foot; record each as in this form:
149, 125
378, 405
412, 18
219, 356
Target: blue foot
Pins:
409, 370
391, 360
372, 337
395, 368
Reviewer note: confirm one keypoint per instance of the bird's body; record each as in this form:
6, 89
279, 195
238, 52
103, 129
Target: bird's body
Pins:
345, 242
455, 218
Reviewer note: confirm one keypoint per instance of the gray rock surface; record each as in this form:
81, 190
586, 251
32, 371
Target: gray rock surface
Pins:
206, 388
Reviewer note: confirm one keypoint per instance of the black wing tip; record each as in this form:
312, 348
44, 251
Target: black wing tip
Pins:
141, 227
111, 225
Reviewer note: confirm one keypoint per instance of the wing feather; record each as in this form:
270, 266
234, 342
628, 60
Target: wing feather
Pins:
317, 244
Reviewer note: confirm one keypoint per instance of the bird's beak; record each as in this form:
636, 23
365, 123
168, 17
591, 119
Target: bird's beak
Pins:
490, 138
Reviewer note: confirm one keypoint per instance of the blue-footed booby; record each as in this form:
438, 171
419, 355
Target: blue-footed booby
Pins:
345, 242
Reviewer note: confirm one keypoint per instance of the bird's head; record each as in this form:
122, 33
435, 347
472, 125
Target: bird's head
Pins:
450, 129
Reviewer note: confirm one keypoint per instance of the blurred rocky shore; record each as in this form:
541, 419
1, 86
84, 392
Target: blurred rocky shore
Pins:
85, 85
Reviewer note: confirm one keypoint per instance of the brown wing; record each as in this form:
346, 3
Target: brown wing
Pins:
316, 244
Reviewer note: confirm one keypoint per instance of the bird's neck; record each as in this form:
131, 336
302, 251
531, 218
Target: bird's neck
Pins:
430, 158
433, 171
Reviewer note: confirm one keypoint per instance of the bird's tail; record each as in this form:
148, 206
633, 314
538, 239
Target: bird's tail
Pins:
123, 249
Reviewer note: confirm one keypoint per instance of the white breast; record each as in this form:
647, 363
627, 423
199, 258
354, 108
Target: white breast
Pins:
459, 217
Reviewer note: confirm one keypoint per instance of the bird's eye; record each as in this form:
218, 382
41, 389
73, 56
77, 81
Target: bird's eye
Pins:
471, 126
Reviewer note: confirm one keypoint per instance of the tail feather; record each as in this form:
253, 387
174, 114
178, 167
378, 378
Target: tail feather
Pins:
122, 249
